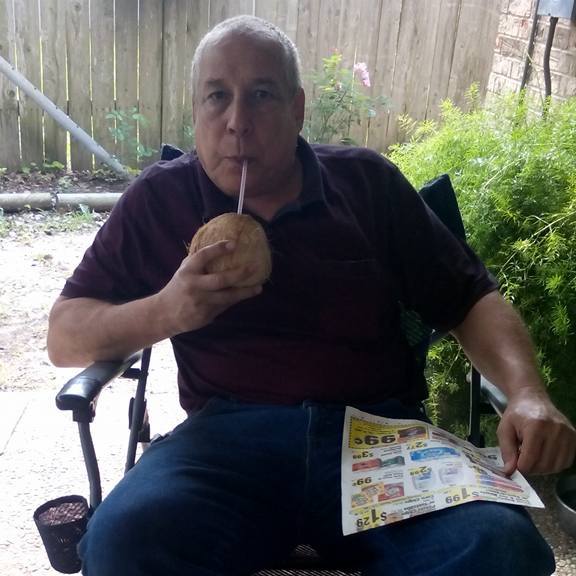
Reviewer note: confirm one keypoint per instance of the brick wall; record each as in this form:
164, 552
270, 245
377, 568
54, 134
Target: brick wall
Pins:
512, 46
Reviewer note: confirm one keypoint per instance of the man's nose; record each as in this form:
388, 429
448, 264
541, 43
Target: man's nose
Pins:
239, 117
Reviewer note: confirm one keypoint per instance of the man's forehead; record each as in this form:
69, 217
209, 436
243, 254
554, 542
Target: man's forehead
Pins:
220, 80
239, 49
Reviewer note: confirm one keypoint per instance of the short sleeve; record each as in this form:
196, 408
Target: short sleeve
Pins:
441, 277
112, 267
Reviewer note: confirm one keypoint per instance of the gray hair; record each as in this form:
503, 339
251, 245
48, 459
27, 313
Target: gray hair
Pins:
254, 27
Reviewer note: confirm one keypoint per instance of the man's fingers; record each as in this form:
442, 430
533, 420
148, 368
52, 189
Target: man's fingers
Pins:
216, 281
552, 452
508, 441
532, 454
223, 299
199, 260
227, 280
535, 437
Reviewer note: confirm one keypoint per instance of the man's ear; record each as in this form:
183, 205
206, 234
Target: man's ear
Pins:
299, 105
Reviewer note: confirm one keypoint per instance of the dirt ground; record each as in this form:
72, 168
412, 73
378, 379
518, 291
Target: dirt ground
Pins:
37, 252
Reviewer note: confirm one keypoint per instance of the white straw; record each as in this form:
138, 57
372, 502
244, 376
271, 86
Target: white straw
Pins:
242, 186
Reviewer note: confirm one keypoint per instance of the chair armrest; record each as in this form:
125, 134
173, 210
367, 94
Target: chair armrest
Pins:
80, 393
494, 395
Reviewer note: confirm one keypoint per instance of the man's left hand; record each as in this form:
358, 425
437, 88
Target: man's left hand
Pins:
534, 436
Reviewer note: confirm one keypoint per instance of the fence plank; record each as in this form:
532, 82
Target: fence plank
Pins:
198, 25
27, 21
328, 31
306, 34
475, 40
52, 23
78, 51
150, 77
416, 41
282, 13
222, 9
102, 70
126, 25
443, 55
383, 76
268, 9
367, 51
313, 41
9, 132
174, 60
291, 9
358, 38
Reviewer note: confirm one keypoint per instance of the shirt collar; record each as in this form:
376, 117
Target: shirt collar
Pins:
215, 202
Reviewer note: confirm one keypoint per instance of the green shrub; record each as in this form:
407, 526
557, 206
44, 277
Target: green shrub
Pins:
515, 176
340, 101
123, 126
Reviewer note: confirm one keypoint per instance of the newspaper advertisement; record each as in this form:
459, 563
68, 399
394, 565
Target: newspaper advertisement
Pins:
396, 469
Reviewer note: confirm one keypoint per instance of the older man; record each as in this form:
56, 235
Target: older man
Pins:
265, 371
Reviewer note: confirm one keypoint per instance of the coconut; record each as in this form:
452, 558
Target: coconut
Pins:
251, 245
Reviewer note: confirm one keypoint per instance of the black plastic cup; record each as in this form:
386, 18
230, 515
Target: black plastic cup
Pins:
62, 523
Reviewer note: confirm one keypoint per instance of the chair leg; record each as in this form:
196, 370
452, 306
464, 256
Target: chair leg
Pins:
138, 419
91, 464
475, 436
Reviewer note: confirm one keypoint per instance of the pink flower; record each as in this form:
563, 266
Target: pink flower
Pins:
364, 75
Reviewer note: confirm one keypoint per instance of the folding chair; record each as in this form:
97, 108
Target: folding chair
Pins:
79, 395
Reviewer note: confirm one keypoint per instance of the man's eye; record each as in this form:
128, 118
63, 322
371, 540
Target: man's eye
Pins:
216, 96
262, 95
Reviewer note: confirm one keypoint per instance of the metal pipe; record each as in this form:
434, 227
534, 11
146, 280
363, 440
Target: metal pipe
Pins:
59, 116
138, 408
91, 464
547, 51
530, 51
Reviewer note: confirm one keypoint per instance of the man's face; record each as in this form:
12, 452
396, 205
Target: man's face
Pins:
243, 111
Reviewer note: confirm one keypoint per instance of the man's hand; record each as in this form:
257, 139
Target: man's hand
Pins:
534, 436
194, 297
86, 330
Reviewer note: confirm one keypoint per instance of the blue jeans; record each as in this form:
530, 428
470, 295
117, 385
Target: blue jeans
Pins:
237, 486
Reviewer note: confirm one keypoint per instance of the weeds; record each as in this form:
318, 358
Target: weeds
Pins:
4, 224
340, 101
124, 128
77, 220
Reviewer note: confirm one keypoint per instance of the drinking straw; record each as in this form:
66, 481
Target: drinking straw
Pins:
242, 186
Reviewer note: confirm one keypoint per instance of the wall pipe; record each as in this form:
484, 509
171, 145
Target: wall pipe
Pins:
60, 117
530, 51
547, 51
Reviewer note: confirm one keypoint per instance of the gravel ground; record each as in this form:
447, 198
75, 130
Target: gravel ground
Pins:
39, 454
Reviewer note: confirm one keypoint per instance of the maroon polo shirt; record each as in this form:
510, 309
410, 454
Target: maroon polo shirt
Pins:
327, 326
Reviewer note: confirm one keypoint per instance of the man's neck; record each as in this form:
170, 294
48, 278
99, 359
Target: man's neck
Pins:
268, 204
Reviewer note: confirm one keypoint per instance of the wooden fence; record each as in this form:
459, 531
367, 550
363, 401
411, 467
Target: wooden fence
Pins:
95, 56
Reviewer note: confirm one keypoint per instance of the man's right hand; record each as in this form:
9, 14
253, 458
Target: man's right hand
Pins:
86, 330
194, 297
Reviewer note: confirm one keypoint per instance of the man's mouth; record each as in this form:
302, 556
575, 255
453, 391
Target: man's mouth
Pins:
239, 159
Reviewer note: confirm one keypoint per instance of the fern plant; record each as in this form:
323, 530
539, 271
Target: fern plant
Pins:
514, 172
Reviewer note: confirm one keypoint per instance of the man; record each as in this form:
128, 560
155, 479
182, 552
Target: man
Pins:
265, 371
